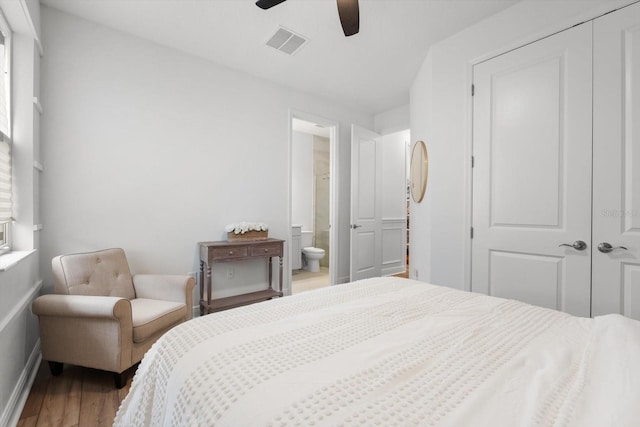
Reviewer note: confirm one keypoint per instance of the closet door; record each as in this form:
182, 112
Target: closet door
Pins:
532, 173
616, 163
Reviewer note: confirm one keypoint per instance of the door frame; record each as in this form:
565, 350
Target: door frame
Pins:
334, 226
596, 12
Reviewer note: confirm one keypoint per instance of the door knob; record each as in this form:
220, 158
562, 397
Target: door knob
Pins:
354, 226
605, 247
578, 245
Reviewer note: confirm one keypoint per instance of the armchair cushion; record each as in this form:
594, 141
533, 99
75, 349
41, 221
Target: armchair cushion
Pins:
152, 316
103, 273
165, 287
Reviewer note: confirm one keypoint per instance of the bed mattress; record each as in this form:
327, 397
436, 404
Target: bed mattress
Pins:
390, 351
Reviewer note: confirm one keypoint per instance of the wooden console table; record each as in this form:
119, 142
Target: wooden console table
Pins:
214, 252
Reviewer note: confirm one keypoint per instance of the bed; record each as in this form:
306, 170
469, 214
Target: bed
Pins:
390, 351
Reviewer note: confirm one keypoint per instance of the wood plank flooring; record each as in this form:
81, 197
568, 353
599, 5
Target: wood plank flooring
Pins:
79, 397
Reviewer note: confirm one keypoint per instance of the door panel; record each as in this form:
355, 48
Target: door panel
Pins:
544, 284
630, 295
366, 179
532, 173
521, 148
616, 162
366, 220
394, 247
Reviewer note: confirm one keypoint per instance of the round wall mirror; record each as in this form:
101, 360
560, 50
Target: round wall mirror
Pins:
419, 171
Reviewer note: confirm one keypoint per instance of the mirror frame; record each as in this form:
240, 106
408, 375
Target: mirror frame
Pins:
419, 171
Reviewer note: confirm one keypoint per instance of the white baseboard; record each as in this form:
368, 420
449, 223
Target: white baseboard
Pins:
13, 410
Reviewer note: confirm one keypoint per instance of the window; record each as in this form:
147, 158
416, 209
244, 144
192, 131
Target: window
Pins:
6, 208
5, 194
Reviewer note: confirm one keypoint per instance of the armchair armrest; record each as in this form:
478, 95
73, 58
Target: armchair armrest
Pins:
82, 306
165, 287
92, 331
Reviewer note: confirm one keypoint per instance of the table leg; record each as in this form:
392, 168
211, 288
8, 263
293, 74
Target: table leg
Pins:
269, 261
201, 277
280, 262
208, 288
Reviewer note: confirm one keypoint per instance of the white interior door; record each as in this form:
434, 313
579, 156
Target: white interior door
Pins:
366, 219
616, 163
532, 173
394, 203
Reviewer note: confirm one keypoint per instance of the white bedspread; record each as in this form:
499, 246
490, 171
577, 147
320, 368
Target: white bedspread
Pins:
386, 352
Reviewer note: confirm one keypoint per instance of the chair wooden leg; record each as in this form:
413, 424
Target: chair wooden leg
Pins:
55, 368
120, 379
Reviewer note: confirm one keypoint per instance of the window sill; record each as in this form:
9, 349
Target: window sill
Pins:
11, 259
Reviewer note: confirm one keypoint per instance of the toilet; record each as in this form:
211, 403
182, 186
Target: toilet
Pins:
311, 255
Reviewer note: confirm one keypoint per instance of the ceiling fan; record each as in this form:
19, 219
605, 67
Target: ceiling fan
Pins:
348, 11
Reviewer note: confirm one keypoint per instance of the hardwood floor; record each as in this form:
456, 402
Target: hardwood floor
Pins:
79, 397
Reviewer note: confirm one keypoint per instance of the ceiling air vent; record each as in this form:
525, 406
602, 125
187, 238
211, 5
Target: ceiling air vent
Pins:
287, 41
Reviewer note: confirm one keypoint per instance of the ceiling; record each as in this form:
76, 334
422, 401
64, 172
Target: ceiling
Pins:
371, 71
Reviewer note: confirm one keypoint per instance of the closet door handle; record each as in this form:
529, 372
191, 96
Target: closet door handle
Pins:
605, 247
578, 245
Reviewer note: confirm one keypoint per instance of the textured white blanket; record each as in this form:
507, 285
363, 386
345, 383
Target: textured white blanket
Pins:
386, 352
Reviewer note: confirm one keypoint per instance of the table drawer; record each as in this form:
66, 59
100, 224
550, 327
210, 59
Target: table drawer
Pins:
265, 250
230, 253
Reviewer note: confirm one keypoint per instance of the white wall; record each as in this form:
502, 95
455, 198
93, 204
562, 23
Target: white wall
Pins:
420, 217
302, 180
154, 150
441, 116
391, 121
20, 284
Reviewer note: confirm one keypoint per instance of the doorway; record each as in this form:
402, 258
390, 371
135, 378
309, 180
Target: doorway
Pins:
379, 220
312, 203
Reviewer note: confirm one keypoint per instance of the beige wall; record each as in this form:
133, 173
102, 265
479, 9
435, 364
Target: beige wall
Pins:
321, 200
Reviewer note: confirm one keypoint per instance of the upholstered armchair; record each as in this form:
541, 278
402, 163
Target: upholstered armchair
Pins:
103, 317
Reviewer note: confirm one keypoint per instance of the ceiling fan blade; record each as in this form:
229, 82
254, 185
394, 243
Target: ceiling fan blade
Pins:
349, 16
266, 4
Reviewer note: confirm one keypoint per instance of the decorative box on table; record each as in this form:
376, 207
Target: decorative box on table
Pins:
248, 236
247, 231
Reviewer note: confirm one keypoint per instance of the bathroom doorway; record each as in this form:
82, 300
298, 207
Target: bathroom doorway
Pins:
313, 207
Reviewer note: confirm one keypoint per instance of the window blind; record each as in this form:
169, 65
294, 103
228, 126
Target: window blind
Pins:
4, 99
5, 182
6, 208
